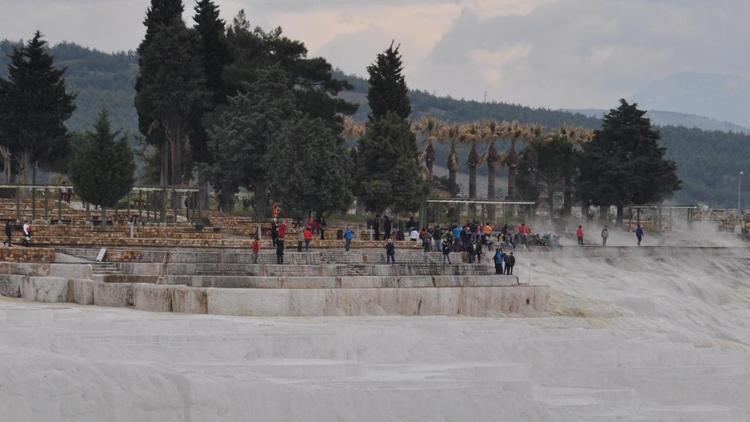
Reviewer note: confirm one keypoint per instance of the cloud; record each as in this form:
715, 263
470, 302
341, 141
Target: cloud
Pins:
555, 53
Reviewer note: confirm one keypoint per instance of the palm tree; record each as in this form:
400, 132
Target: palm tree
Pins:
451, 133
516, 132
430, 128
472, 133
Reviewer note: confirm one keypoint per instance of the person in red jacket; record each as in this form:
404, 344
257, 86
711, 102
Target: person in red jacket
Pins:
308, 234
579, 235
282, 230
256, 250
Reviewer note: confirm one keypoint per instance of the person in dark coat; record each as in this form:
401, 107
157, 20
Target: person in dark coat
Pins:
447, 252
280, 251
499, 259
274, 233
390, 252
510, 261
387, 227
8, 234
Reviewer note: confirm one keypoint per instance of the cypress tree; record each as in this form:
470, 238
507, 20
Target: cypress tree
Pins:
388, 90
36, 104
214, 48
624, 164
388, 173
161, 14
103, 167
173, 87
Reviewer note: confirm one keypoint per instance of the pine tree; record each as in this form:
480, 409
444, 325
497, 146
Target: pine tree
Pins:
241, 132
102, 169
36, 105
387, 171
388, 90
307, 169
624, 164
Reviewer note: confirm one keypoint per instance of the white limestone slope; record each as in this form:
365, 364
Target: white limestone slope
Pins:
648, 335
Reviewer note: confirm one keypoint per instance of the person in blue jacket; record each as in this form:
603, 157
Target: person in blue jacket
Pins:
499, 258
348, 236
639, 234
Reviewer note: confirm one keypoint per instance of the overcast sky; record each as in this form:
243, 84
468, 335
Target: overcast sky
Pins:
552, 53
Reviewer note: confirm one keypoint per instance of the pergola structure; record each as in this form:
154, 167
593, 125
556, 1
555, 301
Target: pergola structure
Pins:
152, 200
487, 205
660, 211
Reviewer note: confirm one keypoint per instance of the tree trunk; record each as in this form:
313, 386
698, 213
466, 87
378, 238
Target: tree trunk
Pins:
512, 183
25, 167
472, 191
452, 176
491, 191
104, 217
604, 213
430, 165
567, 196
164, 176
620, 214
261, 201
202, 194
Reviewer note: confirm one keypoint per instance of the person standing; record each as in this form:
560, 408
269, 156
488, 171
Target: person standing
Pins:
447, 252
282, 230
639, 234
323, 226
426, 240
26, 235
256, 250
471, 251
300, 238
579, 235
307, 235
605, 235
390, 252
274, 233
499, 259
8, 234
280, 251
510, 262
348, 236
413, 234
437, 235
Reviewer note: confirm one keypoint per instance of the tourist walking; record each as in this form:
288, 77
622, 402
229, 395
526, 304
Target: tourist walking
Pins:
8, 234
256, 250
390, 252
307, 236
499, 259
579, 235
605, 235
426, 240
509, 262
348, 236
26, 234
447, 252
639, 234
471, 251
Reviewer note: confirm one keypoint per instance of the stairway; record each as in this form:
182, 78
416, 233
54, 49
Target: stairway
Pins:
105, 268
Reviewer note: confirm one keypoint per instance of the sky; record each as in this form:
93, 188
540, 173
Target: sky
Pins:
547, 53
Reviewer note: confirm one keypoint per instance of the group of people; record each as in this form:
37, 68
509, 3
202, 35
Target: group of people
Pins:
605, 235
25, 229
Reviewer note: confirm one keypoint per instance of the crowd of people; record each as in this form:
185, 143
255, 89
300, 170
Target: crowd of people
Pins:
477, 240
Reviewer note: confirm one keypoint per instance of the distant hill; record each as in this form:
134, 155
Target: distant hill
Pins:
707, 161
98, 79
670, 118
720, 97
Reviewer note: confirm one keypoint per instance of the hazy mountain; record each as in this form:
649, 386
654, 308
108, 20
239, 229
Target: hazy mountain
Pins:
721, 97
670, 118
